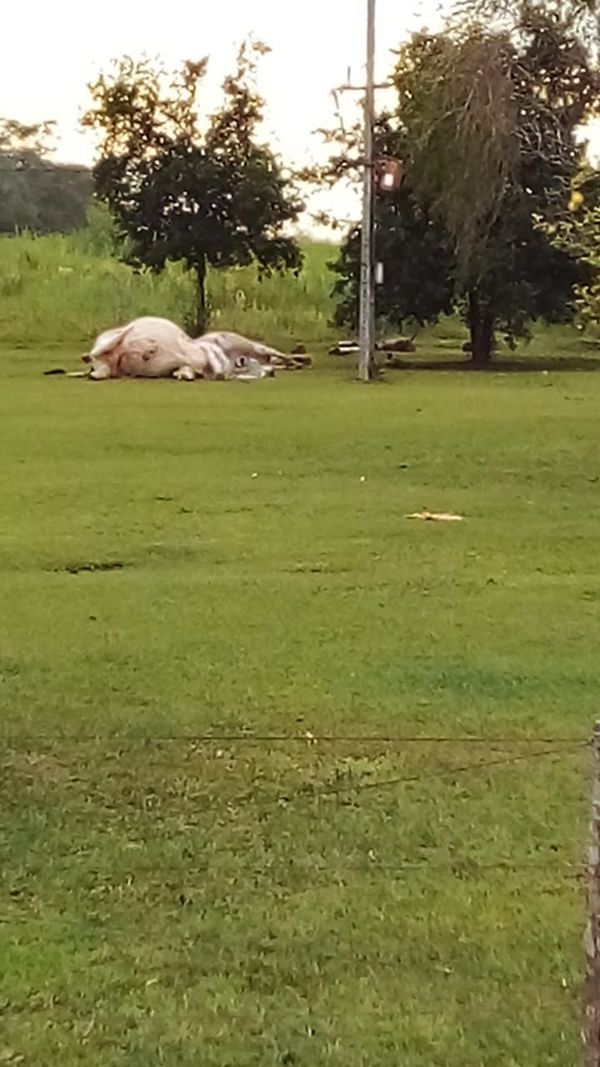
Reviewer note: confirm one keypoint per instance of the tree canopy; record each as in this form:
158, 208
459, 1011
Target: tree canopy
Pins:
416, 252
487, 122
214, 196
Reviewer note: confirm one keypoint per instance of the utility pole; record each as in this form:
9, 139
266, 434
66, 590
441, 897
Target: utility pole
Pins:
367, 280
390, 179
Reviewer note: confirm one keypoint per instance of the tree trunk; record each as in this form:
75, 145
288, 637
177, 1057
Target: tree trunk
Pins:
201, 309
481, 327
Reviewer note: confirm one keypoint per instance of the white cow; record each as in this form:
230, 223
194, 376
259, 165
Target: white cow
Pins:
157, 348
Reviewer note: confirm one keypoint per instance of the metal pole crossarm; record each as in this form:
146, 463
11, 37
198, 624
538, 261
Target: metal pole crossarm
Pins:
362, 88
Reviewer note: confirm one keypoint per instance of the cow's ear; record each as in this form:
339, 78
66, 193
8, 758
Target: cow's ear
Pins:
241, 362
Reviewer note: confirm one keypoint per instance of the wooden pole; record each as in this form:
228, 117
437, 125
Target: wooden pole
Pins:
592, 939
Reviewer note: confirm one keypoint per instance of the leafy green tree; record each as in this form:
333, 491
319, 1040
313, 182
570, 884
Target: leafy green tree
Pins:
577, 231
417, 254
487, 124
178, 193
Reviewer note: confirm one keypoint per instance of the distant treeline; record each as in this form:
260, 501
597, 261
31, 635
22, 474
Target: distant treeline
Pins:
37, 194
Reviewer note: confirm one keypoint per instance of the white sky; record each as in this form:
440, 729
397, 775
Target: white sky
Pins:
51, 49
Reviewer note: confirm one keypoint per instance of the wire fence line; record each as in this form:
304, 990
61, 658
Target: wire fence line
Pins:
314, 791
449, 772
462, 866
177, 885
20, 740
562, 989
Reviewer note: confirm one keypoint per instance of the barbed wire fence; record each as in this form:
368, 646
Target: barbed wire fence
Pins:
505, 750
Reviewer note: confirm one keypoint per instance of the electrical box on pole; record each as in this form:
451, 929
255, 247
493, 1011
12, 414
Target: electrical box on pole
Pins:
389, 175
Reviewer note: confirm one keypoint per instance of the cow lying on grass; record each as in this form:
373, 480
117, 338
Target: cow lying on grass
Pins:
157, 348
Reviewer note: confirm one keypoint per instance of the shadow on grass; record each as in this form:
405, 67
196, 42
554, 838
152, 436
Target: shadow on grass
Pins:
500, 366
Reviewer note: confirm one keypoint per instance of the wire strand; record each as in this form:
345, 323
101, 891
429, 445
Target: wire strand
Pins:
358, 787
19, 740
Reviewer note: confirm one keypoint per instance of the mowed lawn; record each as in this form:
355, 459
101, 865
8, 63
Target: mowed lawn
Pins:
188, 572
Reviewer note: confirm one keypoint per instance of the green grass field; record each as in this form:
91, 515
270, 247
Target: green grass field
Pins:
181, 561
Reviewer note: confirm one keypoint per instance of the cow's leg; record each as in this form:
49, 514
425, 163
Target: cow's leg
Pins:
217, 365
234, 346
185, 374
100, 371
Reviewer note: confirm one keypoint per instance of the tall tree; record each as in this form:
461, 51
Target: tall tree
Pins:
493, 118
217, 197
489, 121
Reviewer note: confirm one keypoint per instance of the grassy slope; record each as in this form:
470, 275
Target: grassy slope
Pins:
173, 902
54, 289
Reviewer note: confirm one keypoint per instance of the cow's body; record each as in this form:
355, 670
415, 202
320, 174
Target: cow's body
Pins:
157, 348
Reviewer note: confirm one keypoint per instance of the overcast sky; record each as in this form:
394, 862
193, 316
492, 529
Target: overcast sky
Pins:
50, 51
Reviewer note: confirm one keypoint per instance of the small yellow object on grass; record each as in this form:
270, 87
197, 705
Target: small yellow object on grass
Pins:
576, 200
432, 516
